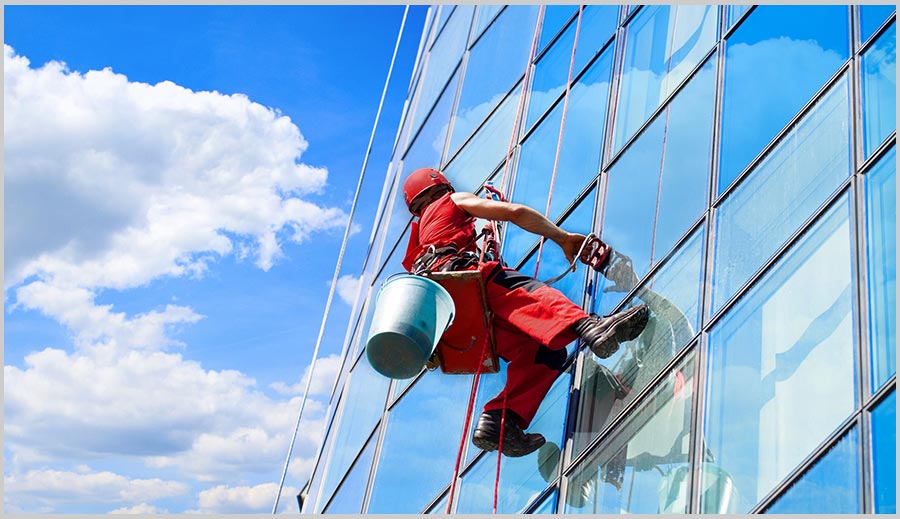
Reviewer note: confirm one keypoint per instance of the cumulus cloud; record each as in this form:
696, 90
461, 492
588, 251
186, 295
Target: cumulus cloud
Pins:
42, 487
243, 499
323, 381
138, 509
347, 288
113, 183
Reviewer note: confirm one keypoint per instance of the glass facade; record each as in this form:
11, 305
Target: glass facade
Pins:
740, 160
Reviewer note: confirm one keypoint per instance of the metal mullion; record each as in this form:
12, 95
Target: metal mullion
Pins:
778, 138
630, 15
426, 119
780, 252
878, 153
808, 462
376, 457
454, 106
556, 37
662, 107
394, 400
350, 468
727, 34
612, 101
698, 417
440, 30
530, 507
435, 501
473, 39
332, 429
878, 33
629, 410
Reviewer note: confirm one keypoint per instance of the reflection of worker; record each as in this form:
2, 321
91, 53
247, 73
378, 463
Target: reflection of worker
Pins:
532, 322
604, 390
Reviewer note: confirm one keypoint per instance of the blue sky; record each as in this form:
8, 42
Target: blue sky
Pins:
171, 237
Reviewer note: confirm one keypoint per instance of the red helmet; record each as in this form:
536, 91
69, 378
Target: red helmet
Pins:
420, 180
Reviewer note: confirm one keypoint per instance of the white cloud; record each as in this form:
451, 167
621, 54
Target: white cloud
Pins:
347, 288
245, 499
112, 183
326, 372
43, 487
138, 509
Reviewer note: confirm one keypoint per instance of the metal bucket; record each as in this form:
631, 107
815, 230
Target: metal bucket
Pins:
411, 314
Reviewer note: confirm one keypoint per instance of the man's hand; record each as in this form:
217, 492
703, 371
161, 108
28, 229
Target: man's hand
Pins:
571, 244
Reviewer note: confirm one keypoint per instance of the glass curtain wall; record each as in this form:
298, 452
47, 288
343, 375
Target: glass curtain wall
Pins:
740, 160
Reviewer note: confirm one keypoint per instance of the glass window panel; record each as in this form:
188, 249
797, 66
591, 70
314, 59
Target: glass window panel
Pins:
669, 165
871, 17
768, 404
673, 296
399, 217
778, 58
521, 479
420, 444
884, 454
580, 153
486, 149
550, 76
879, 90
426, 150
313, 505
644, 467
663, 44
364, 405
782, 192
598, 23
349, 497
548, 505
445, 55
496, 62
881, 224
831, 486
735, 12
555, 16
443, 16
486, 14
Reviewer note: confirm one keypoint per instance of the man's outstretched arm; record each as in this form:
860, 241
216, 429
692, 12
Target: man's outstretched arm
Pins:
522, 216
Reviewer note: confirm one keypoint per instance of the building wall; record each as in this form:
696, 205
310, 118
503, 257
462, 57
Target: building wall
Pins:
742, 162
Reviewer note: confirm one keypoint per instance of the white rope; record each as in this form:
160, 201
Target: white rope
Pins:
337, 268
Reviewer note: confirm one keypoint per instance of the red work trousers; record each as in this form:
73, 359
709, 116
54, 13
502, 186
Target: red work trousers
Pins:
532, 327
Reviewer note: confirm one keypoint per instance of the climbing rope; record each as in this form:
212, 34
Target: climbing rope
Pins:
337, 268
562, 125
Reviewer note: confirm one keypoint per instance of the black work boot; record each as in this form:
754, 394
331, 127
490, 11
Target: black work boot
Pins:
604, 334
516, 443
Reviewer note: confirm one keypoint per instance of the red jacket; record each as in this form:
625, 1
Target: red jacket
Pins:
442, 223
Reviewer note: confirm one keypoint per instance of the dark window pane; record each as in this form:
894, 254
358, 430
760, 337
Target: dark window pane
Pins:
881, 223
496, 62
486, 14
774, 62
486, 149
443, 59
659, 186
520, 478
663, 44
879, 90
555, 16
363, 407
884, 454
420, 445
831, 486
550, 76
871, 17
782, 192
673, 296
768, 403
349, 497
644, 467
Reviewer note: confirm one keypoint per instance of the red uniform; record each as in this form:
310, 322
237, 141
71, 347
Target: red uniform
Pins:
532, 321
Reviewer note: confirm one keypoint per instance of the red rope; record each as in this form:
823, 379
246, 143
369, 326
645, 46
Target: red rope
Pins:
500, 450
562, 125
465, 433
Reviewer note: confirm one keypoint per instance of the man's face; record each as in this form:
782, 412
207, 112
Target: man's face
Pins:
426, 197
